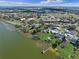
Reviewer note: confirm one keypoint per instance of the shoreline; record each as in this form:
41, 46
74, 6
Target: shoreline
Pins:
10, 22
39, 44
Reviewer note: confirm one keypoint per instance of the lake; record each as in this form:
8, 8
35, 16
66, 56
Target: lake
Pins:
14, 46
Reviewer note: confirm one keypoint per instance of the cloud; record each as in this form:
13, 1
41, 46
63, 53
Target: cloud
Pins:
69, 4
51, 1
9, 3
2, 1
42, 3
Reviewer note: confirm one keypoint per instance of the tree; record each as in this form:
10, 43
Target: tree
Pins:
54, 45
58, 42
72, 27
33, 31
17, 26
24, 29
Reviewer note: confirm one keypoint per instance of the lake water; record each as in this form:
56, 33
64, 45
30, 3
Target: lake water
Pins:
14, 46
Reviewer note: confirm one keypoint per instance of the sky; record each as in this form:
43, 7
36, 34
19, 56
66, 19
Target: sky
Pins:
39, 2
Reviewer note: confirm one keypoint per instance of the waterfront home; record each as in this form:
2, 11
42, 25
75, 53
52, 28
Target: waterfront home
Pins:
36, 25
22, 19
72, 32
60, 36
50, 30
75, 42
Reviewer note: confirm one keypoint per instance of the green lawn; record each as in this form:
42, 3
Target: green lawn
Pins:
44, 36
13, 22
65, 52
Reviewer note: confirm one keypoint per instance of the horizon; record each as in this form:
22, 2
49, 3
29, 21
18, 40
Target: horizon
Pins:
39, 6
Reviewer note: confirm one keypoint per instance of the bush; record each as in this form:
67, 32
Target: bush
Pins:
54, 45
17, 26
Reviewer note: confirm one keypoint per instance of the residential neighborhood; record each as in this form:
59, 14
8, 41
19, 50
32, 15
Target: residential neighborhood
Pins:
57, 33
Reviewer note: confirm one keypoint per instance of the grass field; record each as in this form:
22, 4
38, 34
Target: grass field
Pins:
44, 36
68, 50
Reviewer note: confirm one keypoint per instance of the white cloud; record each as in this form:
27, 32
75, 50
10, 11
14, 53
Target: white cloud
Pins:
8, 3
42, 3
69, 4
51, 1
2, 1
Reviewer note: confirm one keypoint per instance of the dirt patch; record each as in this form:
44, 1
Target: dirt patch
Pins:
42, 45
26, 35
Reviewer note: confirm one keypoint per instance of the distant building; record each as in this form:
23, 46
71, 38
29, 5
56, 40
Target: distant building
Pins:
22, 19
